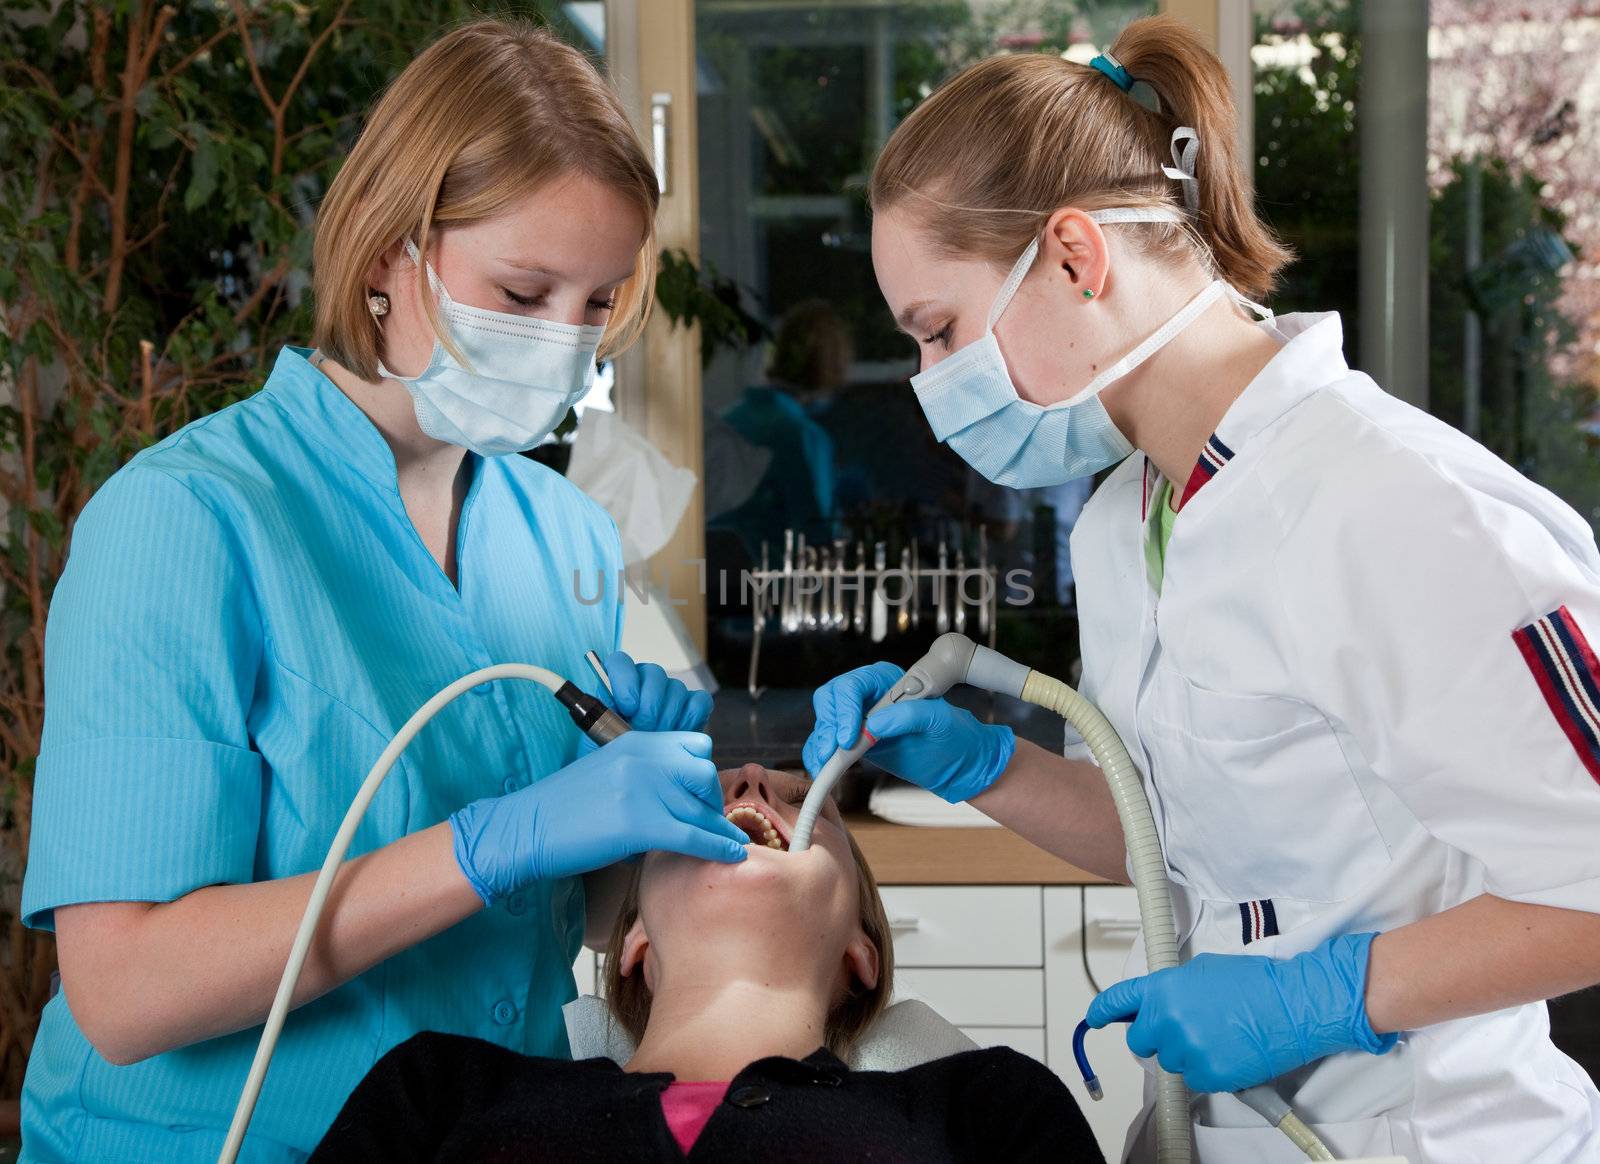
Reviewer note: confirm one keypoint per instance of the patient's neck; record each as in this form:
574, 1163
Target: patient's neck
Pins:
711, 1019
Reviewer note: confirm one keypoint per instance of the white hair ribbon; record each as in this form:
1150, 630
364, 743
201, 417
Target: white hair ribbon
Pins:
1185, 145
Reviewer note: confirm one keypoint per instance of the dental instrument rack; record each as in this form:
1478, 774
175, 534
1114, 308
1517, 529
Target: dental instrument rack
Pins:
831, 589
955, 659
594, 719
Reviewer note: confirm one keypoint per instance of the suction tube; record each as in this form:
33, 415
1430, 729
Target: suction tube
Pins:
1145, 860
598, 721
953, 659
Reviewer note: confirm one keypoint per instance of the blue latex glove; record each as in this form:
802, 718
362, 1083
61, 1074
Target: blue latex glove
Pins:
943, 748
650, 700
642, 791
1230, 1021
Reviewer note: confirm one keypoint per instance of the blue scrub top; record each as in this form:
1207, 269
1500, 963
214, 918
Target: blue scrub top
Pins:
247, 616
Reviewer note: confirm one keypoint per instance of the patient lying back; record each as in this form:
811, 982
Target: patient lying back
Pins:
745, 987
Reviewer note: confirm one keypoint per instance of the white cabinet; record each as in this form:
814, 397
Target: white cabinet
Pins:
965, 925
1088, 931
1016, 966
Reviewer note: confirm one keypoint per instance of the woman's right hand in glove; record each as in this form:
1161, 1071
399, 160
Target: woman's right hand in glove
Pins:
929, 742
642, 791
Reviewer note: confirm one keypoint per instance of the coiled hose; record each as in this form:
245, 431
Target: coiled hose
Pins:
1173, 1135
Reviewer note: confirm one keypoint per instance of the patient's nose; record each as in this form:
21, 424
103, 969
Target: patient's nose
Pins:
749, 777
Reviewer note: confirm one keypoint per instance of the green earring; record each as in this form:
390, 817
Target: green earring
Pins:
1088, 292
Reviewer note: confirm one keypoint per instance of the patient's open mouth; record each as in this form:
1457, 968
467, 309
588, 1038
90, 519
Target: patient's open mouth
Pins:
759, 826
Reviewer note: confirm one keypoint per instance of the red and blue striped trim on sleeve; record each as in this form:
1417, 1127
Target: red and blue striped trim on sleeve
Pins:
1569, 676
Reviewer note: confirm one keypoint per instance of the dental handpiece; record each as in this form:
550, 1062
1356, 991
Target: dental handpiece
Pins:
593, 717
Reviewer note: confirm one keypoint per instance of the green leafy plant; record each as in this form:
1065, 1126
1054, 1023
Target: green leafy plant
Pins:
690, 294
159, 169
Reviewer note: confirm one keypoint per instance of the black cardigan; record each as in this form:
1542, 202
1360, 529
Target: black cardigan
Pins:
453, 1098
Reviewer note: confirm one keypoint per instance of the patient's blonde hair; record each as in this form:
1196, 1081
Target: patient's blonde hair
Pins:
485, 116
629, 998
985, 161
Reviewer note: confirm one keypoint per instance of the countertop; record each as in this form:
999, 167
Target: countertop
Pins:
907, 855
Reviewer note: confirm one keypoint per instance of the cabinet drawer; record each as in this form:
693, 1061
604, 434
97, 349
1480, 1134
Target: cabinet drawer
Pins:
1110, 926
961, 925
978, 998
1028, 1040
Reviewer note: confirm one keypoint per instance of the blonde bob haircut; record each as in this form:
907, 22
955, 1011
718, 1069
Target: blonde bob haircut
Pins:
486, 115
984, 161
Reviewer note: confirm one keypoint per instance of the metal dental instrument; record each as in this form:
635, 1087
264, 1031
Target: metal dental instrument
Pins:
941, 621
802, 559
760, 612
811, 585
916, 587
902, 616
986, 609
839, 621
880, 609
961, 585
859, 622
786, 596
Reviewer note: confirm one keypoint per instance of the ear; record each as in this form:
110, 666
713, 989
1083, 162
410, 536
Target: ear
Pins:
634, 948
861, 960
389, 268
1074, 244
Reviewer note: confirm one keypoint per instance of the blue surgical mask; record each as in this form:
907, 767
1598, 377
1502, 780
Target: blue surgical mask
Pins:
973, 406
520, 378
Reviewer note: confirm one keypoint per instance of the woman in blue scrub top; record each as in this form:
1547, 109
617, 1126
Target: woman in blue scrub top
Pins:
256, 604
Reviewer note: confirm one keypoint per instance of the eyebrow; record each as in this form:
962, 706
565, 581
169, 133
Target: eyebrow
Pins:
550, 273
908, 315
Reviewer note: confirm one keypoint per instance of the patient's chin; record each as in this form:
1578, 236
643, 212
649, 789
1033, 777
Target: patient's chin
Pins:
766, 879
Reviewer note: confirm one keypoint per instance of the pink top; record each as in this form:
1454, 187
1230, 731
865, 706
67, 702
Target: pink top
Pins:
688, 1107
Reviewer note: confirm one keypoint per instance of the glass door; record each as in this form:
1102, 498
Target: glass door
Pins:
817, 456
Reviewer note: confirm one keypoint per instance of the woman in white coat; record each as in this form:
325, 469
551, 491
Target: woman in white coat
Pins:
1348, 647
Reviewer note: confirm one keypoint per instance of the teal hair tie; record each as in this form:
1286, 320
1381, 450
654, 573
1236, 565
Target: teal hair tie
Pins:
1111, 67
1138, 90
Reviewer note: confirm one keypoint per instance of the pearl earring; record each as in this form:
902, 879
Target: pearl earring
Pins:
378, 303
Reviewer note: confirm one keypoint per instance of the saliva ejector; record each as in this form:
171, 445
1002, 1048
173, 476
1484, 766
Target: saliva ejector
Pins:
955, 659
597, 721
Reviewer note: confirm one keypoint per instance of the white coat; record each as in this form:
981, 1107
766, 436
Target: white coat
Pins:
1362, 695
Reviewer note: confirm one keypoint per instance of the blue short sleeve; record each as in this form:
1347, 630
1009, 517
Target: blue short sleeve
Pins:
147, 786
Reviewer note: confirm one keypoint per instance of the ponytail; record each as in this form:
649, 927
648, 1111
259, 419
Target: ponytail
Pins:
1194, 91
1004, 144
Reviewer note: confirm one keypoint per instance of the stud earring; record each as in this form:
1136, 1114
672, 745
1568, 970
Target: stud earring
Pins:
378, 303
1088, 292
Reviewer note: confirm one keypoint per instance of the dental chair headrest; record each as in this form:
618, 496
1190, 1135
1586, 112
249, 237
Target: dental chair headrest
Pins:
905, 1034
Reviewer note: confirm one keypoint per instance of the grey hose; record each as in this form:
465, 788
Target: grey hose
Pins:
1173, 1135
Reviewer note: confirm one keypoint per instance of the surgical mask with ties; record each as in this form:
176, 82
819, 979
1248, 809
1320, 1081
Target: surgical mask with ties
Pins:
973, 406
520, 377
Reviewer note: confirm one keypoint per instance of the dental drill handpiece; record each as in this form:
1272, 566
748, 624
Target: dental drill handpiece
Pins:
598, 722
947, 664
